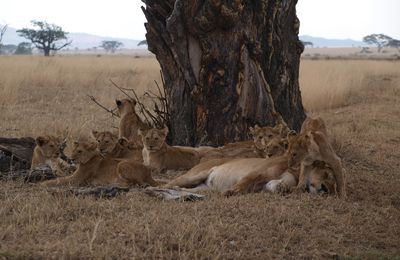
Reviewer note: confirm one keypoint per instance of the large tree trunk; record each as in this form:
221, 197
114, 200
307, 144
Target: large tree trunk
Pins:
227, 65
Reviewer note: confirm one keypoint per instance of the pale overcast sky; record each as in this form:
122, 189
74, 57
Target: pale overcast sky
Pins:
124, 18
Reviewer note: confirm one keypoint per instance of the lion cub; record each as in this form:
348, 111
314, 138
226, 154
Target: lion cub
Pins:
47, 150
110, 145
94, 169
160, 156
130, 122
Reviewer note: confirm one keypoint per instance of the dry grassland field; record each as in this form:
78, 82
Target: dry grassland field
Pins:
360, 101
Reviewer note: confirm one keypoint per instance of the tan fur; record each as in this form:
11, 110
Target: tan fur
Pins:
160, 156
254, 148
276, 146
110, 145
47, 151
94, 169
314, 125
305, 149
130, 122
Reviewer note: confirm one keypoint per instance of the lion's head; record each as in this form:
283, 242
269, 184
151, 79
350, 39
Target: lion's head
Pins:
83, 151
275, 147
153, 139
106, 141
50, 146
263, 134
320, 179
125, 106
302, 148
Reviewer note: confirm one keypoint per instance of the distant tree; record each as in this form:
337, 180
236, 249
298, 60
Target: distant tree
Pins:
24, 48
393, 43
111, 46
380, 40
308, 44
144, 42
3, 29
9, 48
45, 38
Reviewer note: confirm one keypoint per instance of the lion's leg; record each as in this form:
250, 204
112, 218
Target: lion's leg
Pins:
63, 181
302, 178
339, 177
282, 185
188, 181
201, 187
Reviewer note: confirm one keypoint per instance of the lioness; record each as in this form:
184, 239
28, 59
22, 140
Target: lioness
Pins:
94, 169
111, 146
160, 156
204, 176
306, 150
130, 122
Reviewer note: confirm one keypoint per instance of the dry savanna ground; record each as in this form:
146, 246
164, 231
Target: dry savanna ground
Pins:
360, 100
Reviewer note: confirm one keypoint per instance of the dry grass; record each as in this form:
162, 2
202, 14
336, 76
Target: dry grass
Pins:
359, 100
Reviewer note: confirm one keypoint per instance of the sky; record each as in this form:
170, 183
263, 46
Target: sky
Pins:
339, 19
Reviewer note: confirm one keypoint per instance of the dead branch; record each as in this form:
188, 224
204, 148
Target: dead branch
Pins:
103, 107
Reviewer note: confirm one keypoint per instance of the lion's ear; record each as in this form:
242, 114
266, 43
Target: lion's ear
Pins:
41, 140
123, 141
141, 132
95, 134
165, 131
251, 130
291, 135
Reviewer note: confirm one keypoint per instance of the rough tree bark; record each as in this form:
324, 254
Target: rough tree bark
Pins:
227, 65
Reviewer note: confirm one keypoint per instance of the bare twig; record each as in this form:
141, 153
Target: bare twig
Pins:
103, 107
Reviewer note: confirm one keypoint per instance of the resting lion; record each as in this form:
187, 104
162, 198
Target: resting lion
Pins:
111, 146
47, 150
254, 148
130, 122
212, 174
161, 156
311, 150
94, 169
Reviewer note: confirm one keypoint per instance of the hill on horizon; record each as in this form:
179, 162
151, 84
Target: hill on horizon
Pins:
79, 40
86, 40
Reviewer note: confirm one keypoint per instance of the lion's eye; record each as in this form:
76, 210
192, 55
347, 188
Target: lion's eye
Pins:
147, 138
294, 154
106, 142
270, 136
98, 141
52, 146
156, 138
260, 137
79, 151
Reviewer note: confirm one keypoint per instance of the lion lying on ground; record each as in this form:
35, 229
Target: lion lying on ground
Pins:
110, 145
49, 151
94, 169
245, 149
222, 174
161, 156
130, 122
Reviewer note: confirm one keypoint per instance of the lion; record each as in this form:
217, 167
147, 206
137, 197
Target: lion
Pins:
276, 146
308, 148
161, 156
130, 122
47, 150
110, 145
204, 176
94, 169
